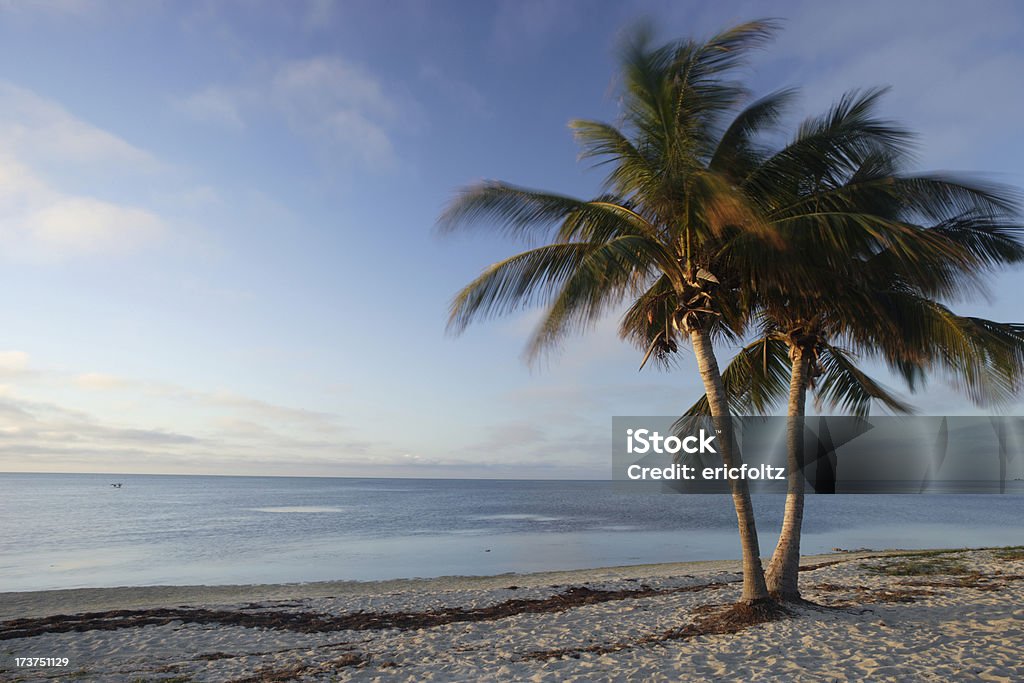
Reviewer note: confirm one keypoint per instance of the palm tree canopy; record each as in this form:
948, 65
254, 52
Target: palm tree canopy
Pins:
667, 215
704, 223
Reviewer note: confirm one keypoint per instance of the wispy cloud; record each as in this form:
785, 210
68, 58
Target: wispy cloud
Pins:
523, 27
106, 422
951, 73
213, 105
99, 381
326, 100
145, 425
460, 93
13, 362
40, 223
40, 130
39, 220
319, 15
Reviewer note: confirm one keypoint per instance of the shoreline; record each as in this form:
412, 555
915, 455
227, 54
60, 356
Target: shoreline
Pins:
944, 614
20, 604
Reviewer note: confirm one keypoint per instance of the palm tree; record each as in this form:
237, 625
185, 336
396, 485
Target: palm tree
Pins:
669, 220
700, 216
879, 302
987, 357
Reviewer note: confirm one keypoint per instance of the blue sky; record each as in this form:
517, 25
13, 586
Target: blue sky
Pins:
217, 219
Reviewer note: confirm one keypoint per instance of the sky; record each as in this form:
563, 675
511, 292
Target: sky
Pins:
217, 219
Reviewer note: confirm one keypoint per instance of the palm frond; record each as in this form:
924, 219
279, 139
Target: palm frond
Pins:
845, 386
737, 152
518, 282
521, 212
834, 144
648, 323
603, 277
755, 380
984, 358
827, 240
945, 196
633, 172
991, 241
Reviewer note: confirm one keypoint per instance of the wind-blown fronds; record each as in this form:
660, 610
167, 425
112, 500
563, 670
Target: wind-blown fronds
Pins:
525, 213
739, 151
674, 96
843, 385
982, 357
754, 380
515, 283
608, 273
826, 240
634, 171
668, 217
991, 241
830, 146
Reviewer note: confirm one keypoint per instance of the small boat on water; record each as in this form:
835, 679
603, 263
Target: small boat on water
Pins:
117, 485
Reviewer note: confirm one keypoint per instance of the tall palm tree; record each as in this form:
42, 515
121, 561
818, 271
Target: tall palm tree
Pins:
877, 301
670, 219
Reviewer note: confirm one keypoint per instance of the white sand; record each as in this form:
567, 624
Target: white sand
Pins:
948, 632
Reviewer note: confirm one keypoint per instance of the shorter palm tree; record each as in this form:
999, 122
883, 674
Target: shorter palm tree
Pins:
986, 358
880, 303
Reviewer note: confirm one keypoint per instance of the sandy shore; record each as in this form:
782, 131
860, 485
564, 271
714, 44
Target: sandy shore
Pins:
958, 615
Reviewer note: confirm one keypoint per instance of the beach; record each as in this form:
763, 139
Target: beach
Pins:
891, 615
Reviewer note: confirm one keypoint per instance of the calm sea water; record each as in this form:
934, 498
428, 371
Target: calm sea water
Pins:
75, 530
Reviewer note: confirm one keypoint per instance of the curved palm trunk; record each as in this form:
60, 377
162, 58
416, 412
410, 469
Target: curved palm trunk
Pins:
754, 587
784, 568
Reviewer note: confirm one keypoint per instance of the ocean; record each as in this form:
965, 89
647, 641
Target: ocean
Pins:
77, 531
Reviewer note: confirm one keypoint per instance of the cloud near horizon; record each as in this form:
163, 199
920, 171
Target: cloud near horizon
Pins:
56, 421
149, 426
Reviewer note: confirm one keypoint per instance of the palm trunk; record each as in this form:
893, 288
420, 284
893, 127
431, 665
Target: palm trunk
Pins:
784, 568
754, 587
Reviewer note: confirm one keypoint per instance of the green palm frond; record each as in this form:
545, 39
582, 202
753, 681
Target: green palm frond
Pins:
739, 151
518, 282
982, 357
634, 171
755, 380
944, 196
831, 146
524, 213
844, 386
681, 87
991, 241
608, 273
758, 378
507, 209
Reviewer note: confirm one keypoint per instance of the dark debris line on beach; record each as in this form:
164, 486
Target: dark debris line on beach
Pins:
711, 619
311, 622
